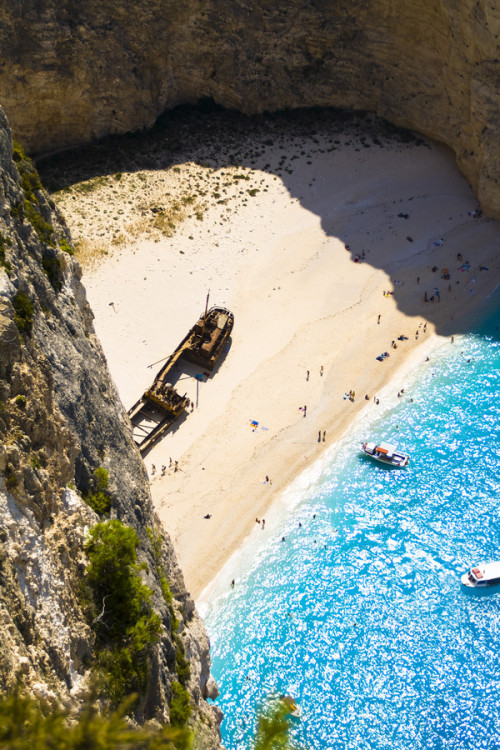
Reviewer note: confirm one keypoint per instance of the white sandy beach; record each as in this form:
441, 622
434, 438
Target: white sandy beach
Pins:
278, 260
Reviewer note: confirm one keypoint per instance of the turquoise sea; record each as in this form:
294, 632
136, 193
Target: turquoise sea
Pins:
359, 613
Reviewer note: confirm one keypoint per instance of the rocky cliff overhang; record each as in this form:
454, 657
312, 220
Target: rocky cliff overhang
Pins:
73, 72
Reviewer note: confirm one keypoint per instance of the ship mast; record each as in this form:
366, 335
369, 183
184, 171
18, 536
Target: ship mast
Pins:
206, 311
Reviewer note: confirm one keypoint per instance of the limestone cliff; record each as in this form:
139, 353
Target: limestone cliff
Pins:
72, 72
60, 420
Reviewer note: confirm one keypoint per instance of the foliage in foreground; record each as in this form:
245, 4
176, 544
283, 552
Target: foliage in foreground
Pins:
26, 724
273, 726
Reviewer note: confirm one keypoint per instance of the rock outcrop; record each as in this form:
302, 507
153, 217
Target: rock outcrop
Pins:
72, 72
60, 420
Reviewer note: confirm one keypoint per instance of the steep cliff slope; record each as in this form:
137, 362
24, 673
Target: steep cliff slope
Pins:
61, 420
72, 72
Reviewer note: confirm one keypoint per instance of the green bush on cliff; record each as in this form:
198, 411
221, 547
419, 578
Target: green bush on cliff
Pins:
23, 312
4, 243
125, 625
180, 707
27, 723
65, 246
30, 208
100, 500
52, 268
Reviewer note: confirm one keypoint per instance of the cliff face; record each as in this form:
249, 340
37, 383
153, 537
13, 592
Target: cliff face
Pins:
61, 419
72, 72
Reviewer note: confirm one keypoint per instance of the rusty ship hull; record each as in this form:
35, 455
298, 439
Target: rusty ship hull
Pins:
161, 405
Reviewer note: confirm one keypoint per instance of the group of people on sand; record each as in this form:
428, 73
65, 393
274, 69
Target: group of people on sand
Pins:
164, 468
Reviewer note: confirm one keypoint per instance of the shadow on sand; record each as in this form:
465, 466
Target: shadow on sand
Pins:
212, 137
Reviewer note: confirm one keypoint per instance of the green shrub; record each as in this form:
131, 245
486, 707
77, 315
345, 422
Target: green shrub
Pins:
180, 706
65, 246
100, 500
35, 462
4, 243
44, 230
11, 480
182, 664
52, 267
20, 401
101, 476
30, 183
23, 308
121, 615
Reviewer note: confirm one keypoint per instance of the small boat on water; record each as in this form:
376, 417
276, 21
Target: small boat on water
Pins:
483, 575
387, 454
294, 711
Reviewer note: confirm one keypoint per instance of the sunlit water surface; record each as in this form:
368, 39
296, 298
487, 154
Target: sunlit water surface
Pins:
359, 613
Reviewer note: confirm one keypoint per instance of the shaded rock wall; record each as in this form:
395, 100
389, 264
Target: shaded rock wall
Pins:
60, 419
72, 72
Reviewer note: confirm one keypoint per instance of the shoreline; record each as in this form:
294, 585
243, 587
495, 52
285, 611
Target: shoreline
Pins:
221, 580
302, 301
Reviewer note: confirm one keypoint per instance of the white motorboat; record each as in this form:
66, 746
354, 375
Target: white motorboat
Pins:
387, 454
483, 575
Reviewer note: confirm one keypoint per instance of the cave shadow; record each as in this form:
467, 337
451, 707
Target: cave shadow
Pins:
211, 136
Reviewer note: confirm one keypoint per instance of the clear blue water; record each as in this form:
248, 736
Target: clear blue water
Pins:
359, 613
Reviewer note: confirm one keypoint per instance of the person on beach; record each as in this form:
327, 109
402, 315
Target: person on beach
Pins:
319, 436
153, 469
324, 435
321, 370
263, 523
307, 375
378, 319
305, 410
